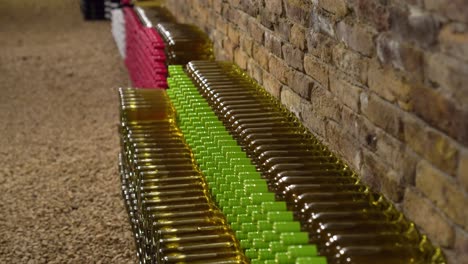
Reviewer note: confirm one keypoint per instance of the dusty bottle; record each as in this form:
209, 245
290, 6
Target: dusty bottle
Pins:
210, 253
301, 200
384, 239
291, 153
175, 244
312, 165
390, 254
146, 198
335, 177
327, 230
150, 16
285, 125
318, 219
292, 192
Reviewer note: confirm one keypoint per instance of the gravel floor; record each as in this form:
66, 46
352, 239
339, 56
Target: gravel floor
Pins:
59, 188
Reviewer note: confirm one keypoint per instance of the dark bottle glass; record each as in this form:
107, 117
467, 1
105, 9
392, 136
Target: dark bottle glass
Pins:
306, 198
280, 167
281, 184
383, 239
394, 254
291, 153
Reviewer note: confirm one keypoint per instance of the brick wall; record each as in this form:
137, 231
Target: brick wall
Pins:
384, 83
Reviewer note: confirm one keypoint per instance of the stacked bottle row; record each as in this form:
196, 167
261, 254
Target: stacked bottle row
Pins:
348, 222
173, 216
266, 230
184, 42
145, 55
154, 39
150, 16
118, 30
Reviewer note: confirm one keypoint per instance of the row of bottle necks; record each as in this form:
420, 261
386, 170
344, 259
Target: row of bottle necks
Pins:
148, 48
181, 43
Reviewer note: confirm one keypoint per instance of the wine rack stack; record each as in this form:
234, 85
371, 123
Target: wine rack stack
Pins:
216, 170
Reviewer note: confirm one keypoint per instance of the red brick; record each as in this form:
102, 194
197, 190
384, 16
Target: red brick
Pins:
273, 43
271, 84
336, 7
255, 71
399, 157
274, 6
300, 83
320, 45
239, 18
346, 92
313, 122
461, 246
360, 127
443, 113
323, 22
291, 100
343, 144
386, 83
414, 24
283, 28
218, 6
316, 69
250, 7
372, 12
430, 144
261, 55
449, 74
374, 173
221, 55
293, 57
246, 44
234, 36
443, 191
357, 37
298, 11
221, 25
453, 40
226, 8
324, 104
257, 31
351, 63
217, 45
400, 55
384, 114
279, 69
463, 169
453, 9
297, 37
241, 58
235, 3
228, 47
267, 19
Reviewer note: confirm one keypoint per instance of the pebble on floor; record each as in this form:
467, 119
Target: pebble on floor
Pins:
59, 184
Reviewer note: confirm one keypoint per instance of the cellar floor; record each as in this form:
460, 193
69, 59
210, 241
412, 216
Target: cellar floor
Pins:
59, 186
